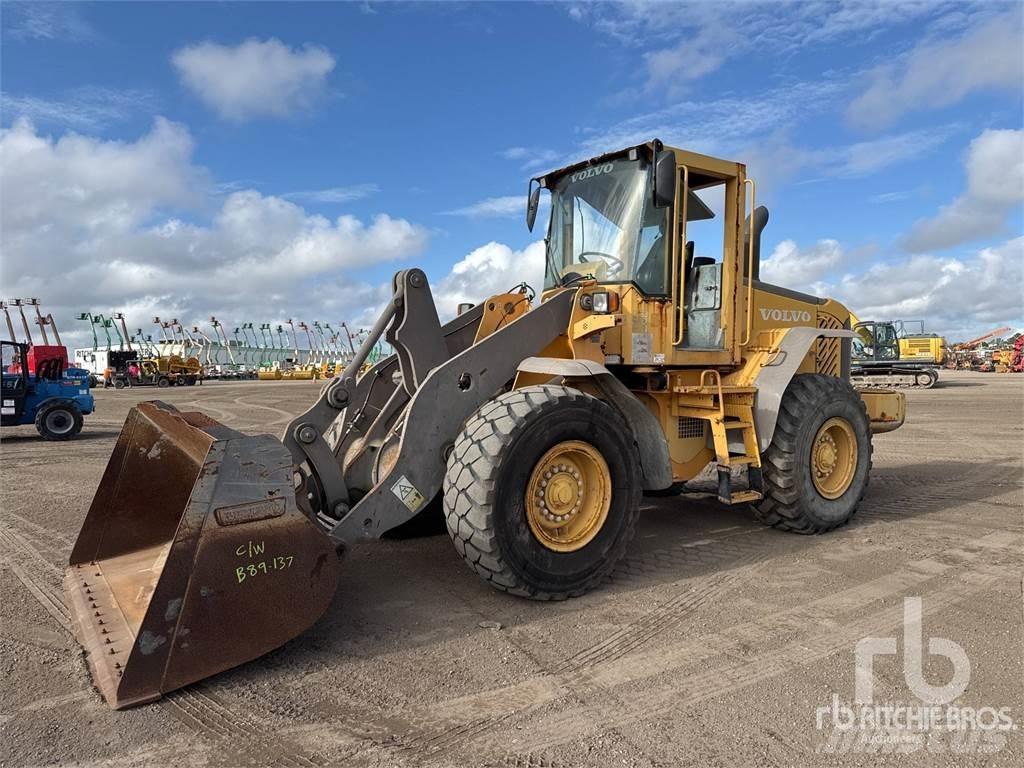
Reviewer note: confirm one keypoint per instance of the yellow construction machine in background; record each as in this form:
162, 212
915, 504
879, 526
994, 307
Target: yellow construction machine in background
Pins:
918, 346
290, 372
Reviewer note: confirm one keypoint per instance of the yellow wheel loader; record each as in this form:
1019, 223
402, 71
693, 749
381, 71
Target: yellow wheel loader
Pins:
654, 351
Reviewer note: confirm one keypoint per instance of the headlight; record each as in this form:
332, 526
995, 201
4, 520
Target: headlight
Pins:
605, 302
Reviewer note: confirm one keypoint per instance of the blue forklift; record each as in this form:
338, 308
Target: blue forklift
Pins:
53, 399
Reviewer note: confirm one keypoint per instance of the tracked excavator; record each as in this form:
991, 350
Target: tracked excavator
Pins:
878, 361
537, 422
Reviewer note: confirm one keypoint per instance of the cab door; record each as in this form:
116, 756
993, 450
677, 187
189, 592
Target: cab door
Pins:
875, 342
15, 383
709, 323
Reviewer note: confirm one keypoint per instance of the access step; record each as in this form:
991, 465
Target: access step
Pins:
737, 461
755, 483
737, 424
742, 497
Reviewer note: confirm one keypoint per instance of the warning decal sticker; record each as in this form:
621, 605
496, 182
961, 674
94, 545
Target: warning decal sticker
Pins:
407, 492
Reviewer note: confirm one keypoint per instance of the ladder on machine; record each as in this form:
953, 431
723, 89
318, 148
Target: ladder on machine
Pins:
728, 410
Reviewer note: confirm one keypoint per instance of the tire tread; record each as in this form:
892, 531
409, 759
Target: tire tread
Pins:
470, 486
781, 507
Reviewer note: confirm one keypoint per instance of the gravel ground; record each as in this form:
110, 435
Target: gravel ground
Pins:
715, 642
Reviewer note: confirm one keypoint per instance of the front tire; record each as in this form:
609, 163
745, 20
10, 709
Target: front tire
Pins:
59, 421
547, 444
817, 467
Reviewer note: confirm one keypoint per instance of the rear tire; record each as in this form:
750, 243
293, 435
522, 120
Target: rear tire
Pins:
163, 381
494, 465
793, 499
59, 421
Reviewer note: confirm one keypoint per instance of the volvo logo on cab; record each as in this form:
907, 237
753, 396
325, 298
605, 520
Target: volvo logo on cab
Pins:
589, 173
786, 315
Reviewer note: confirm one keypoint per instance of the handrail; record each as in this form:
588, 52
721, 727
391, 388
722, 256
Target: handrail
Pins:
677, 273
750, 264
718, 381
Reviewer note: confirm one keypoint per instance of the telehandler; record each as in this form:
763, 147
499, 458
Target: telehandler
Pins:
539, 426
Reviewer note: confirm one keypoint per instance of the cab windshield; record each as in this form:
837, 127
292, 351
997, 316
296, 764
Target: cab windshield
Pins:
604, 224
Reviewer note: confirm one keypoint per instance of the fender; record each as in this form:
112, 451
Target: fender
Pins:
773, 378
648, 435
68, 402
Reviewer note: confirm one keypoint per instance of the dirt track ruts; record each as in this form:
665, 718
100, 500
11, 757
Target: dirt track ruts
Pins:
712, 643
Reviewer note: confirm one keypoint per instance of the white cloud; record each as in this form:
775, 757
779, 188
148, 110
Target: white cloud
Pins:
85, 108
687, 41
254, 79
721, 125
694, 55
939, 73
493, 207
48, 21
755, 128
490, 269
790, 266
777, 158
531, 158
863, 158
104, 225
515, 153
955, 296
995, 186
336, 194
891, 197
89, 185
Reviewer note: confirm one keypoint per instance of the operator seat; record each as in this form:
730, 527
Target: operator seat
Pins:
693, 265
651, 275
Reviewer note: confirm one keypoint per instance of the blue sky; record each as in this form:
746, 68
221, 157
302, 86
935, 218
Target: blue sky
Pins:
260, 161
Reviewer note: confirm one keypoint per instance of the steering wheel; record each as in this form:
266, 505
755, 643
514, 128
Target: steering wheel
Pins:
614, 268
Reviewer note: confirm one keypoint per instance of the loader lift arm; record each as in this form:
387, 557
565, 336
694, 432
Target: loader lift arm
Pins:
363, 469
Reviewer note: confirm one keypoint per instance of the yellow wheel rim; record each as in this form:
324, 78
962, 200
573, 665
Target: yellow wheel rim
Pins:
568, 496
834, 458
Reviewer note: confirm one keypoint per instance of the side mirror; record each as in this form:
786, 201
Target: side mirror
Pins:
532, 204
665, 176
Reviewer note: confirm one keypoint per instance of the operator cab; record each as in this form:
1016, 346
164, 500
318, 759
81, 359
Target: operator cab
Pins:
606, 224
875, 342
15, 381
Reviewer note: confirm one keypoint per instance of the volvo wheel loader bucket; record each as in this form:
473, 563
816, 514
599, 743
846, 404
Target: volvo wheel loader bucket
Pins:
194, 557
